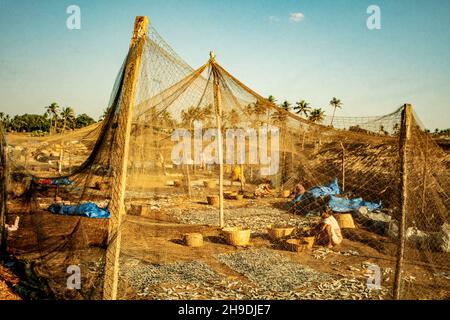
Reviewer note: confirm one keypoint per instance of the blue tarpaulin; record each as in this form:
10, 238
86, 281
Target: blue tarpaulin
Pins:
61, 181
345, 205
87, 209
319, 191
335, 203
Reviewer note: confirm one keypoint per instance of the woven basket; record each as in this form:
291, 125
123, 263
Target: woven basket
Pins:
309, 241
177, 183
345, 221
286, 194
276, 233
209, 184
239, 197
296, 245
193, 239
236, 237
213, 200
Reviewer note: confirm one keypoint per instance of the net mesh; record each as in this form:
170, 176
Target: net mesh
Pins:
172, 178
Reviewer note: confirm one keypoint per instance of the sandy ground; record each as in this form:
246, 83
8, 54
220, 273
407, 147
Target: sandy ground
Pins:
156, 239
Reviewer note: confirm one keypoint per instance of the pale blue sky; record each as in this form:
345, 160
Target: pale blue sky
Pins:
330, 52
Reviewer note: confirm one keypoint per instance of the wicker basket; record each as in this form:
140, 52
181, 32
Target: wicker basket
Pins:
193, 239
309, 241
279, 232
213, 200
209, 184
229, 194
236, 237
345, 221
296, 245
239, 197
177, 183
286, 193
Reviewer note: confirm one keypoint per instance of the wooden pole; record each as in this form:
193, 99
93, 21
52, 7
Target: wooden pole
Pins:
120, 157
405, 135
3, 190
218, 107
343, 167
188, 180
424, 174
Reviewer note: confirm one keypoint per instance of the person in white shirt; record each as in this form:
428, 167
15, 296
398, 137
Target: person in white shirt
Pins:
329, 232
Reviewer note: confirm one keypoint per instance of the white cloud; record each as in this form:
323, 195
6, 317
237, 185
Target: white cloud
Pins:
274, 18
296, 17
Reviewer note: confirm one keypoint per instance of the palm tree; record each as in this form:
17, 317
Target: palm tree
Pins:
302, 107
52, 111
68, 116
316, 115
272, 99
335, 103
280, 116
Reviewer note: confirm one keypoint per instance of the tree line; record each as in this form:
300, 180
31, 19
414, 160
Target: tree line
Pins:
54, 120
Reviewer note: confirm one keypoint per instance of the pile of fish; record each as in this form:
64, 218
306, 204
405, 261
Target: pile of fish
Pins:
256, 219
270, 276
272, 271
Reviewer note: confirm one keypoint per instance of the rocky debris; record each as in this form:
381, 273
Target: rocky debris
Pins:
436, 241
417, 237
443, 274
441, 239
377, 222
271, 271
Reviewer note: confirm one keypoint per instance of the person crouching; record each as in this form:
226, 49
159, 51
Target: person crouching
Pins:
328, 231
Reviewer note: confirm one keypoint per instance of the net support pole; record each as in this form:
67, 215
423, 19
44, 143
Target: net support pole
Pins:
405, 135
120, 158
424, 174
343, 167
218, 108
3, 190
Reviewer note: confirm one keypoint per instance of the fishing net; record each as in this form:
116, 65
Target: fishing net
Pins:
353, 165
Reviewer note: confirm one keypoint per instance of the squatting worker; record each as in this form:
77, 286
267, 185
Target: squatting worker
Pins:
329, 233
298, 190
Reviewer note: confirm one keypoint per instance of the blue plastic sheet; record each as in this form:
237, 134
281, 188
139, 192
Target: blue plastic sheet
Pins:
87, 209
319, 191
335, 203
345, 205
61, 181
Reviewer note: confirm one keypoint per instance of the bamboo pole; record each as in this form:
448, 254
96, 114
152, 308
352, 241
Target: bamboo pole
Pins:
424, 185
188, 180
405, 135
120, 158
3, 190
343, 167
218, 108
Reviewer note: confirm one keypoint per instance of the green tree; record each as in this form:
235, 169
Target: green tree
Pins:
52, 111
280, 116
302, 107
83, 120
68, 118
335, 103
316, 115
